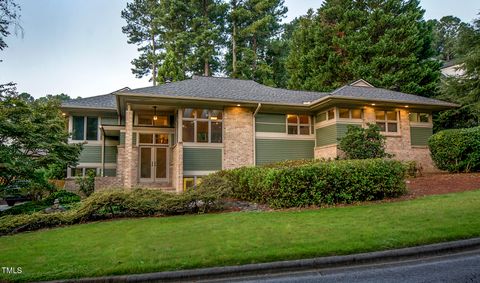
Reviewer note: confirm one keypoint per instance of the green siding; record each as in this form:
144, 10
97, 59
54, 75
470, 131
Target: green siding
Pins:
91, 154
270, 118
122, 138
270, 128
109, 121
420, 135
326, 135
202, 159
110, 172
330, 134
110, 154
268, 151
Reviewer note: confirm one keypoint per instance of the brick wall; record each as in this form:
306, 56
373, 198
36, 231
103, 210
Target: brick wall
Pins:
177, 167
238, 137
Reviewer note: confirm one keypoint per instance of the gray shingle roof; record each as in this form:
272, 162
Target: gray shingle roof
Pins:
249, 91
229, 89
372, 93
106, 101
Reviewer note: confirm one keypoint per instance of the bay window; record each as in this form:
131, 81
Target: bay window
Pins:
202, 126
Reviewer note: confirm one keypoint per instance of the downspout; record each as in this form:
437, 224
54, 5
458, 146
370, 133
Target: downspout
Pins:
254, 133
103, 151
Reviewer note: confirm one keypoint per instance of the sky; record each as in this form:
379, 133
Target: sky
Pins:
77, 46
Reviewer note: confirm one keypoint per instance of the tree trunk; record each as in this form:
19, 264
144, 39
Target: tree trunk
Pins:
206, 65
206, 68
154, 63
254, 47
234, 42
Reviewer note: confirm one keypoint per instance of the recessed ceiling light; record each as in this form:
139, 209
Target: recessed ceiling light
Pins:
406, 106
238, 105
373, 104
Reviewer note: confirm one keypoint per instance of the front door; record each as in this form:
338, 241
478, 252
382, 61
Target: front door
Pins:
153, 164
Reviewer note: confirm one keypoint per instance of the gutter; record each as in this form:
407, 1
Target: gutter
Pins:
254, 131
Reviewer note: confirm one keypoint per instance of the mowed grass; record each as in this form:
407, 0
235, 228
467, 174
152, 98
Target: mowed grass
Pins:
182, 242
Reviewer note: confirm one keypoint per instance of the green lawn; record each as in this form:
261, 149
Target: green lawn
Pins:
171, 243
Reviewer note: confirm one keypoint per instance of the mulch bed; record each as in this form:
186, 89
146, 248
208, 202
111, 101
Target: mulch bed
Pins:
441, 183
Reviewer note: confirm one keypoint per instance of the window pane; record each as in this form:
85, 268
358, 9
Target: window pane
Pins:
391, 116
146, 138
202, 114
188, 131
424, 117
331, 114
78, 128
304, 130
216, 132
161, 138
292, 119
356, 113
413, 117
292, 130
322, 117
188, 113
162, 121
216, 115
188, 183
344, 113
145, 119
303, 119
380, 115
392, 127
382, 126
202, 131
92, 128
76, 172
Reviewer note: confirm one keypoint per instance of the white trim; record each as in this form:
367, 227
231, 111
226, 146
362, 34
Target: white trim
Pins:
283, 136
192, 173
327, 146
325, 123
421, 125
202, 145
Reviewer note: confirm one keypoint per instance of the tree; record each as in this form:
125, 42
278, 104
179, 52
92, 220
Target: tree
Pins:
464, 90
9, 16
446, 33
33, 136
388, 43
142, 29
361, 143
253, 24
170, 70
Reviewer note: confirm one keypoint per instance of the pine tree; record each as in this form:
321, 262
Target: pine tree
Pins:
387, 42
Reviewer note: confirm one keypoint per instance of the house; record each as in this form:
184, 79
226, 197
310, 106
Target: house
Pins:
171, 135
452, 69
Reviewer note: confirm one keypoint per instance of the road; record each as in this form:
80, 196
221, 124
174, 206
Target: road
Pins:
459, 267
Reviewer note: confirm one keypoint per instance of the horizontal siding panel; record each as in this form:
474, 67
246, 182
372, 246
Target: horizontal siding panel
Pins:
342, 129
326, 135
420, 135
273, 150
110, 154
109, 121
270, 128
91, 154
202, 159
270, 118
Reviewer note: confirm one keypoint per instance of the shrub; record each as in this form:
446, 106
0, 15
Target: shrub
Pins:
456, 150
86, 184
65, 198
315, 183
361, 143
112, 204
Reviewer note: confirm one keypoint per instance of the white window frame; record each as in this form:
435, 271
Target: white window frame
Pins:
298, 125
327, 115
418, 116
209, 119
84, 171
85, 127
350, 114
154, 135
386, 121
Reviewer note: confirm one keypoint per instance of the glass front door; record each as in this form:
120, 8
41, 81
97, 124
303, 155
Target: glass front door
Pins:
153, 164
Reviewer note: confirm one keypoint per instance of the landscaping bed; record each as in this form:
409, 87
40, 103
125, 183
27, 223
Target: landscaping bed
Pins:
441, 183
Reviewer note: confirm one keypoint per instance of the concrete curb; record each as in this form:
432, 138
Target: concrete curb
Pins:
290, 265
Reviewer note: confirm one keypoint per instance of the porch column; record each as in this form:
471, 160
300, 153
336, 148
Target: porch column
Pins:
128, 177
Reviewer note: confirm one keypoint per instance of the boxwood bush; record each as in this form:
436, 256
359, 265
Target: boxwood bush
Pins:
314, 182
456, 150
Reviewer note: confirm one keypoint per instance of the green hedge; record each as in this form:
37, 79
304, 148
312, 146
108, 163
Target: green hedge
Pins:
456, 150
114, 204
313, 183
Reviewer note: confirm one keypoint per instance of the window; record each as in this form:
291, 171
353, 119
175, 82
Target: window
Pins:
202, 126
326, 115
419, 117
387, 121
346, 113
82, 171
153, 138
85, 128
298, 124
191, 182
